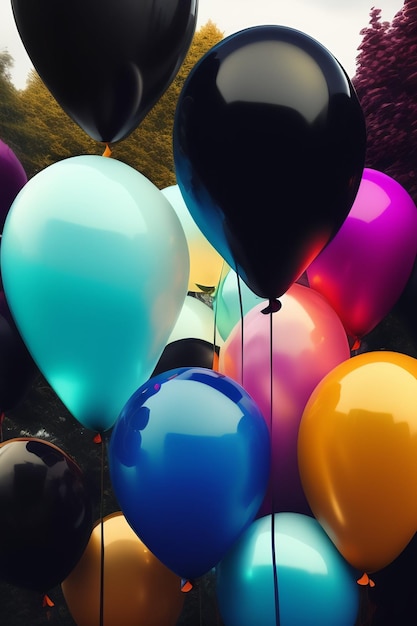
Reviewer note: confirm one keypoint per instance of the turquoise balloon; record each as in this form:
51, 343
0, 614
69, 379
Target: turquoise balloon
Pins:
95, 269
316, 586
233, 300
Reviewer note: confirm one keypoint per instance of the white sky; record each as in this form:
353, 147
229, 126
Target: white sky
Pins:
336, 24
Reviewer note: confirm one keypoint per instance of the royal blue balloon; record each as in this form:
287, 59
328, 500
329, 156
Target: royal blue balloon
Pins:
95, 269
189, 461
316, 586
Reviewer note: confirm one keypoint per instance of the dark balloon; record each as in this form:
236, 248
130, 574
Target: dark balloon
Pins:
269, 149
189, 352
106, 63
12, 179
17, 368
45, 514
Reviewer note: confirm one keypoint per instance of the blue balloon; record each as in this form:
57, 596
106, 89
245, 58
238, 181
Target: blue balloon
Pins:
95, 269
316, 586
189, 460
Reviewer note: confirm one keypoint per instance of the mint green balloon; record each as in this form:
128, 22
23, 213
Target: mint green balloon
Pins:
230, 305
95, 269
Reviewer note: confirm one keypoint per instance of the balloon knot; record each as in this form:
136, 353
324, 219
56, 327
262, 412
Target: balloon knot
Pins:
47, 601
365, 580
97, 438
186, 585
107, 151
356, 344
273, 307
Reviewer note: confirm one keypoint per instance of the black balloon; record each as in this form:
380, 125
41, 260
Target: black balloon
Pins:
17, 368
269, 149
106, 63
188, 352
46, 514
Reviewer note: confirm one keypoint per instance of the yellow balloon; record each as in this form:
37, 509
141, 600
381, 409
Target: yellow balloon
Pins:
206, 264
138, 589
357, 454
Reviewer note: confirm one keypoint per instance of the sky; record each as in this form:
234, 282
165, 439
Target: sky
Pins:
336, 24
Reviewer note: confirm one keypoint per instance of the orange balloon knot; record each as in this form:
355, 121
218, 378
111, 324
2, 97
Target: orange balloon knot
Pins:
97, 438
47, 601
365, 580
107, 151
186, 585
273, 307
356, 344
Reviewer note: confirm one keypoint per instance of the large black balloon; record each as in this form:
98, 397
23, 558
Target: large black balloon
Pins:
269, 149
45, 514
106, 63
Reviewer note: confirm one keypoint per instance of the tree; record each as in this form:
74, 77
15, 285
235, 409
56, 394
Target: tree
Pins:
386, 84
41, 133
11, 113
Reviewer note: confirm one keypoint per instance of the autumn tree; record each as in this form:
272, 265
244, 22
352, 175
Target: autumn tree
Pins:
41, 133
386, 84
11, 113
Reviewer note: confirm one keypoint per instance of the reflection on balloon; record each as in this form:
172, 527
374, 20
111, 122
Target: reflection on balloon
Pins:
189, 461
12, 179
106, 86
100, 255
357, 453
308, 340
205, 263
138, 589
269, 149
46, 514
316, 587
365, 268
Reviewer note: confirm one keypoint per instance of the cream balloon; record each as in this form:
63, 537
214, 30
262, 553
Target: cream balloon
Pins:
197, 321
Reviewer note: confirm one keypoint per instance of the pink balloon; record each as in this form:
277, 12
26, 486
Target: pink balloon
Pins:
308, 340
365, 268
12, 179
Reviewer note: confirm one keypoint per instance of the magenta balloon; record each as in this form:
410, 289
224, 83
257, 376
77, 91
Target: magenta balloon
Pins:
365, 268
308, 340
12, 179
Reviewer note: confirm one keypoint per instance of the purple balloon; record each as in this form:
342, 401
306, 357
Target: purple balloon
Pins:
12, 178
363, 271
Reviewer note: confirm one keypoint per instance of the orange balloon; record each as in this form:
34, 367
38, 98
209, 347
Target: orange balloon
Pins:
138, 589
357, 454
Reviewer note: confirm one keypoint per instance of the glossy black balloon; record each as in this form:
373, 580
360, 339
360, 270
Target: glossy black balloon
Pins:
188, 352
17, 368
269, 149
106, 63
45, 514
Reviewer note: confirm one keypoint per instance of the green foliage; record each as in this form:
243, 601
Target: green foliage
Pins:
40, 133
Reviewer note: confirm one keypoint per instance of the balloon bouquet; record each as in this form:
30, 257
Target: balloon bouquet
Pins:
269, 147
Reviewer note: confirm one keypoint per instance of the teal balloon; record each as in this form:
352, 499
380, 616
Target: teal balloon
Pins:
316, 586
95, 270
232, 301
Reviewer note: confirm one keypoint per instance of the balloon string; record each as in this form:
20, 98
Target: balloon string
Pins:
101, 621
241, 327
273, 547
